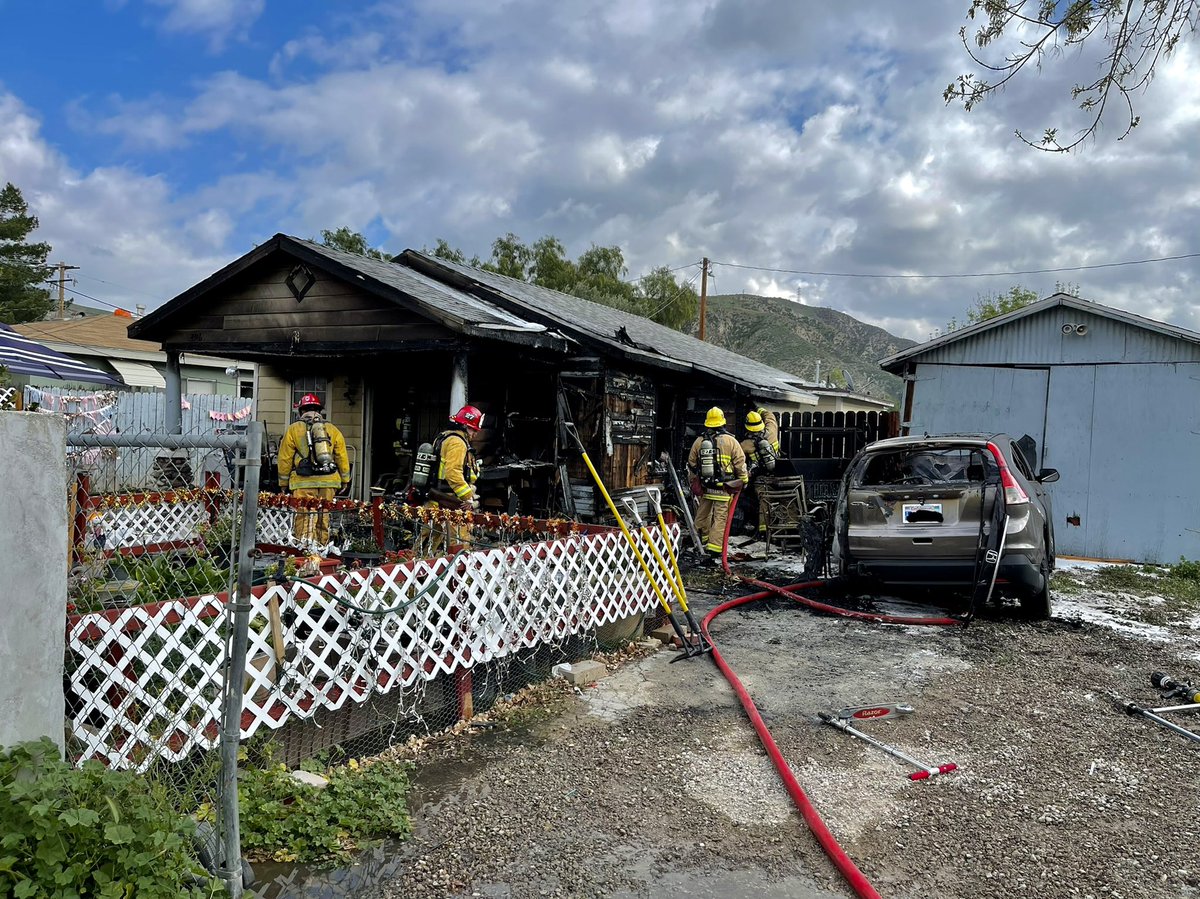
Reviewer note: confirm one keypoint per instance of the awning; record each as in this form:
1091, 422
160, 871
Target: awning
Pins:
138, 374
23, 356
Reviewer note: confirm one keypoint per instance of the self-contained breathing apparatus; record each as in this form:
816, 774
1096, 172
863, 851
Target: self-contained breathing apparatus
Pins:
319, 460
427, 480
707, 460
424, 465
765, 453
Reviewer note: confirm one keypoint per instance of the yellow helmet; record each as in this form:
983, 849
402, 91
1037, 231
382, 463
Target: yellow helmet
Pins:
754, 422
715, 418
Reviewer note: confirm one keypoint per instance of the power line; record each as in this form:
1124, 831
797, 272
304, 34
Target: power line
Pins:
96, 299
122, 286
678, 293
677, 268
1032, 271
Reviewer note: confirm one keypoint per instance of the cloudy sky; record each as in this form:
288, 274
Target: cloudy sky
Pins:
158, 140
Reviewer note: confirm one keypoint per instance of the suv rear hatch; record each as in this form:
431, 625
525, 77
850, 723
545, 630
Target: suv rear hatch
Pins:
913, 506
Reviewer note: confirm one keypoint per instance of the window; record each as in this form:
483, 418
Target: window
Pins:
194, 386
310, 384
246, 390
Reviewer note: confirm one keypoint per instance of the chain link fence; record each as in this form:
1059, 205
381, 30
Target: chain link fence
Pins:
406, 622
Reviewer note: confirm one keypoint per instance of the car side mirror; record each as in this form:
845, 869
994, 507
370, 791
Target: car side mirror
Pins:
1047, 476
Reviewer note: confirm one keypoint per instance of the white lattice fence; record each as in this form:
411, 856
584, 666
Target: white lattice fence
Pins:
146, 682
147, 523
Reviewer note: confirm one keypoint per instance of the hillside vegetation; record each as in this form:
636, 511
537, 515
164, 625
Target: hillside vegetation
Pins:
792, 337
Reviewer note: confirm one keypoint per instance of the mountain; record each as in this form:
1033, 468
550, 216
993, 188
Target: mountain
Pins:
794, 338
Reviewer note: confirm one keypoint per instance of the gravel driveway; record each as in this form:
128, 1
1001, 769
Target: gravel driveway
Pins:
652, 783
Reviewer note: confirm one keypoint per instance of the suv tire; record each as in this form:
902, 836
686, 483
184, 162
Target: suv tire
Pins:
1037, 606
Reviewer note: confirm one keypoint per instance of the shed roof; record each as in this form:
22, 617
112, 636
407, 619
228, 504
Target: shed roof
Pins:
621, 333
896, 362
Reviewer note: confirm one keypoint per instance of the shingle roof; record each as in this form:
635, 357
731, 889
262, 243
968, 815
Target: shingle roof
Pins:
463, 307
108, 331
630, 335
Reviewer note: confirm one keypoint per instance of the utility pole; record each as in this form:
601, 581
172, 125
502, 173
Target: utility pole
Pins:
703, 293
63, 268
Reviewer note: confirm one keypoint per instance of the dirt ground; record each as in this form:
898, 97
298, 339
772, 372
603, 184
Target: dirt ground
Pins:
652, 783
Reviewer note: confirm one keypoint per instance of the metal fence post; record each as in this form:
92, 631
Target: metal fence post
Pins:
231, 870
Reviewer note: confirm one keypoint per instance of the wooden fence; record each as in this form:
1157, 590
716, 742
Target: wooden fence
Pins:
833, 435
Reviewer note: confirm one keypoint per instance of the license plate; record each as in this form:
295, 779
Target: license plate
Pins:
909, 508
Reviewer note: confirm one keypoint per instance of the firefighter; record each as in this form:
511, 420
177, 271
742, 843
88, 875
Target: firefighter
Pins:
312, 463
457, 468
761, 447
717, 460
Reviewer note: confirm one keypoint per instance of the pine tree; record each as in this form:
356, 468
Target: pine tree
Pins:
23, 268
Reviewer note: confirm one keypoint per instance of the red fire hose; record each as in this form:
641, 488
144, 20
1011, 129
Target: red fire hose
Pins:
854, 877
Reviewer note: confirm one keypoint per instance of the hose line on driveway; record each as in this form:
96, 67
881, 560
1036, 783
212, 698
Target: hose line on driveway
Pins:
854, 877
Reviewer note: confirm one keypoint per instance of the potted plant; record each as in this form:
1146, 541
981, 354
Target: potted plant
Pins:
363, 552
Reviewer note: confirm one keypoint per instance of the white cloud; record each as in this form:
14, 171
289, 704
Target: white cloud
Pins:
117, 225
768, 133
217, 19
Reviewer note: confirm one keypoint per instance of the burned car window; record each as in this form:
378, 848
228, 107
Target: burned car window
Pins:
947, 465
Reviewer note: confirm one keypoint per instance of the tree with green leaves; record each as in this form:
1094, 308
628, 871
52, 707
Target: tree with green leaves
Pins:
1134, 37
23, 267
352, 242
599, 275
990, 305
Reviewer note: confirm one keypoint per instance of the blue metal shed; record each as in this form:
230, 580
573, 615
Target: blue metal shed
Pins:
1110, 397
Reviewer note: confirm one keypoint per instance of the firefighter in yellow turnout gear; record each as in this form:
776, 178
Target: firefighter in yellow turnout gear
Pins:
312, 462
717, 459
457, 469
762, 427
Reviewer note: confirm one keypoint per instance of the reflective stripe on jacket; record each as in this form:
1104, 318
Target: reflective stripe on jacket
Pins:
458, 469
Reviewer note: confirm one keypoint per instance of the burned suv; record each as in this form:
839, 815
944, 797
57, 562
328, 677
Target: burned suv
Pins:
964, 512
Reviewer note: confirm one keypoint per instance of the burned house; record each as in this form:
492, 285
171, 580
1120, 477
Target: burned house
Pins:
393, 347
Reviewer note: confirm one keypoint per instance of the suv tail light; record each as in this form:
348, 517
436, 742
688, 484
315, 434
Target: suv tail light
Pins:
1014, 493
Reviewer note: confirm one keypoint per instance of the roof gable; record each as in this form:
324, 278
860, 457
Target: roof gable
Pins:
396, 284
897, 362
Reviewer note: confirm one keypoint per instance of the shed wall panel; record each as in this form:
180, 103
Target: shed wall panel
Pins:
1145, 481
1068, 448
978, 399
1120, 436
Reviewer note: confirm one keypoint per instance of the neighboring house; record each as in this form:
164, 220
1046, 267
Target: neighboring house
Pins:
1111, 399
839, 399
103, 341
393, 347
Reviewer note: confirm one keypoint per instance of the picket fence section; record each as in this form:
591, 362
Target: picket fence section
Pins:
146, 680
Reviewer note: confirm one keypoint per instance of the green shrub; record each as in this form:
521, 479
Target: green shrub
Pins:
68, 833
285, 820
1185, 570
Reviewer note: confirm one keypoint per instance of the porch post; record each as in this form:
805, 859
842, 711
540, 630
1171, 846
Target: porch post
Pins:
174, 391
458, 382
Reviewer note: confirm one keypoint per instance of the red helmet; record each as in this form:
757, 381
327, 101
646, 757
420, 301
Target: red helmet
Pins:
309, 399
469, 417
